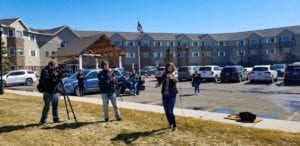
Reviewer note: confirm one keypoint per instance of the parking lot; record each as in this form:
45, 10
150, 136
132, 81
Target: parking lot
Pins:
274, 101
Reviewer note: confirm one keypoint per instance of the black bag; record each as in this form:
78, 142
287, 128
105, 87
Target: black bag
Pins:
247, 116
40, 87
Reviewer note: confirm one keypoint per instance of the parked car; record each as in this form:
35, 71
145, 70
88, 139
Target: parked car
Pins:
90, 83
212, 72
150, 70
27, 77
186, 72
263, 73
159, 72
234, 73
280, 68
292, 74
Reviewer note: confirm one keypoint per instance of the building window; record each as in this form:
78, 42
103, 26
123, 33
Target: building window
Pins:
11, 51
254, 41
157, 54
285, 38
19, 34
47, 54
118, 43
129, 43
270, 40
32, 53
202, 54
10, 33
183, 43
157, 43
207, 43
195, 44
130, 55
32, 37
146, 43
20, 51
270, 51
64, 43
239, 53
195, 54
240, 42
222, 53
12, 68
221, 44
146, 54
170, 43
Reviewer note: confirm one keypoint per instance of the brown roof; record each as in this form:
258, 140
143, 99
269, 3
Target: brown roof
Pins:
8, 21
97, 44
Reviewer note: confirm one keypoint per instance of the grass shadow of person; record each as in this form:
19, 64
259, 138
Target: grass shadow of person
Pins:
65, 126
11, 128
129, 138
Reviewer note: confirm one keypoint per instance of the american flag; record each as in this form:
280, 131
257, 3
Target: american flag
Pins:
140, 28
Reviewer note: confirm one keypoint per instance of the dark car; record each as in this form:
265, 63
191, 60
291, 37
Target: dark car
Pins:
292, 74
150, 70
186, 72
234, 73
280, 68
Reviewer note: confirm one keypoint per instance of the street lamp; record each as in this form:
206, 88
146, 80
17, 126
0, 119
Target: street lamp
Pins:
1, 69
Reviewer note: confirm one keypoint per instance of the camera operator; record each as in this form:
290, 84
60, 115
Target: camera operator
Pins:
107, 85
49, 82
169, 91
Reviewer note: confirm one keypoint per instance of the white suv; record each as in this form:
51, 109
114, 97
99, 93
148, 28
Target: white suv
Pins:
211, 72
263, 73
27, 77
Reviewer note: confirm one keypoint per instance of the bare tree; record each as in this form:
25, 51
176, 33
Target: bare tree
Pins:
277, 56
234, 58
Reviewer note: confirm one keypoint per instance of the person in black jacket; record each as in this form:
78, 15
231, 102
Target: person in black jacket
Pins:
196, 82
80, 78
169, 91
107, 85
49, 81
134, 80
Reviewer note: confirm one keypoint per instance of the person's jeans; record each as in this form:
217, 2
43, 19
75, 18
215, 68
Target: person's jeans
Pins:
134, 87
50, 98
112, 97
197, 88
169, 101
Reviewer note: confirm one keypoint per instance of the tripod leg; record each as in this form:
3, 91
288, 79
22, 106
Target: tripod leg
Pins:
66, 107
72, 111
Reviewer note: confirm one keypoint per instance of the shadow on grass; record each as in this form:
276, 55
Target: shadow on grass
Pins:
71, 125
129, 138
11, 128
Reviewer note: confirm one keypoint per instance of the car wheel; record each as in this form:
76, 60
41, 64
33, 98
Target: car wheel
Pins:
251, 81
28, 82
76, 91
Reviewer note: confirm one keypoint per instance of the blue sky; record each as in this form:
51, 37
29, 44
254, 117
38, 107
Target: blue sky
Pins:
183, 16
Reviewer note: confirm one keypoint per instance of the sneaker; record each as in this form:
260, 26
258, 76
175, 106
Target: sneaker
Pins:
174, 129
119, 119
170, 126
57, 121
106, 120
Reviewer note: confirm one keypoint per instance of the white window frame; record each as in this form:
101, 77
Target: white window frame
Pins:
195, 44
219, 44
157, 55
17, 52
9, 52
238, 42
130, 54
221, 53
157, 43
47, 54
19, 32
31, 37
238, 53
13, 33
195, 54
127, 43
270, 38
34, 53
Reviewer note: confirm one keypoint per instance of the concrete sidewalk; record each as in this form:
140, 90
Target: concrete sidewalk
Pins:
281, 125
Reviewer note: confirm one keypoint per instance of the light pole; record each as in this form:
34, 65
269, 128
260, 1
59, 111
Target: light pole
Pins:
241, 54
1, 70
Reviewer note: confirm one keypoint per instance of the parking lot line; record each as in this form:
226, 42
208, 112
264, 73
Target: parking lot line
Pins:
223, 105
292, 116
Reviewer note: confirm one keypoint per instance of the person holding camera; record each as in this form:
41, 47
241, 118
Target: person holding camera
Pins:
169, 91
49, 81
107, 85
80, 78
134, 80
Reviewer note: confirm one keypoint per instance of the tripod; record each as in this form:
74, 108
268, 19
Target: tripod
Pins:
67, 99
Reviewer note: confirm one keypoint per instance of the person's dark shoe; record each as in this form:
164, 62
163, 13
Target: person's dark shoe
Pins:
42, 124
58, 121
119, 119
174, 129
106, 120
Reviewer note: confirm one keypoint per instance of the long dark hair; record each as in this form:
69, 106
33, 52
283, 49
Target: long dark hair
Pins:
168, 65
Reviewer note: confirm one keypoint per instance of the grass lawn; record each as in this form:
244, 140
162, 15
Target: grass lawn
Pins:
19, 115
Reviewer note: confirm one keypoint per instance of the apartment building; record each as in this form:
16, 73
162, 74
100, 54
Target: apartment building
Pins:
31, 48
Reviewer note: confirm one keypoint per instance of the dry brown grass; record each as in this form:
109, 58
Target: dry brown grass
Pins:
19, 115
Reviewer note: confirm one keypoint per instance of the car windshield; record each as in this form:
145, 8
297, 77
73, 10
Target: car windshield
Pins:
205, 68
229, 69
260, 69
183, 69
74, 76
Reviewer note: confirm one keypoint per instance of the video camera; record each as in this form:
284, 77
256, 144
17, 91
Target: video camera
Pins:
61, 71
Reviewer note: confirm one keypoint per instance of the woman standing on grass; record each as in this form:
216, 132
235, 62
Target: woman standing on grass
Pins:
196, 82
169, 91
